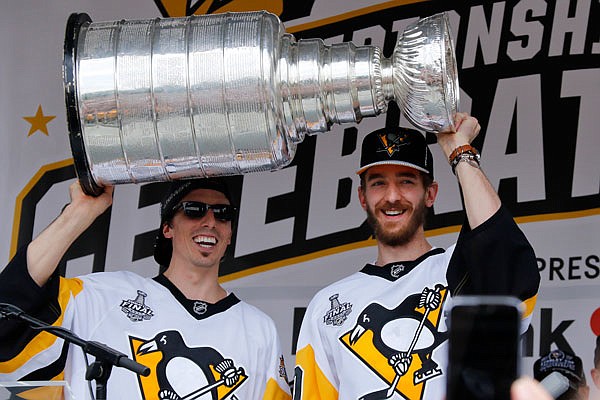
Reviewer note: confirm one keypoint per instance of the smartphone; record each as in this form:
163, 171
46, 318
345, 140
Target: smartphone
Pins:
483, 347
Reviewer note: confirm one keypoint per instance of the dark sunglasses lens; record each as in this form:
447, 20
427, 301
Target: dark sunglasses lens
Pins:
223, 212
196, 209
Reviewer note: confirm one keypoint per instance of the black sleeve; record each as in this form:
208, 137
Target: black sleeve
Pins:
495, 258
19, 289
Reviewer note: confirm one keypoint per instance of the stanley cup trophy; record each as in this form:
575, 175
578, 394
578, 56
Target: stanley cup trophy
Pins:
227, 94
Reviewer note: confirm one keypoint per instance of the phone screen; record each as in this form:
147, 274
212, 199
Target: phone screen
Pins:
483, 351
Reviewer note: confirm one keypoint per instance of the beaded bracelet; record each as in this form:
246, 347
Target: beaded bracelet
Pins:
467, 153
471, 158
461, 149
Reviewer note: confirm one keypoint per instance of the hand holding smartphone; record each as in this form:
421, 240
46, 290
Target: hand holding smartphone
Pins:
483, 348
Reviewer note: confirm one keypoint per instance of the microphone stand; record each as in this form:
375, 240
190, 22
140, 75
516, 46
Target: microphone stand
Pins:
106, 357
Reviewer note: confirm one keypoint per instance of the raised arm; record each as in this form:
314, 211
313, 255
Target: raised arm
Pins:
46, 250
480, 198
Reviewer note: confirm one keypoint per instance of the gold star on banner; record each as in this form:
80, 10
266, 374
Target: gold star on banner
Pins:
39, 121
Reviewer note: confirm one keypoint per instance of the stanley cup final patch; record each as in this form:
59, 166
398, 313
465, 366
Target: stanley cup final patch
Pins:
338, 313
136, 309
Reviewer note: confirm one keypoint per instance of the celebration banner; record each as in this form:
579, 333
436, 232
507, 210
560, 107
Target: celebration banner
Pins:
528, 70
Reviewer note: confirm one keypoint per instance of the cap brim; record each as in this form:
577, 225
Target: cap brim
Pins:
391, 162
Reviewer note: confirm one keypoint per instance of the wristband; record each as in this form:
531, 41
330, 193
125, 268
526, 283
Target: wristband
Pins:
467, 156
460, 150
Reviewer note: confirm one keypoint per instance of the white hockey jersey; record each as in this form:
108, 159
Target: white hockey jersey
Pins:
356, 329
227, 350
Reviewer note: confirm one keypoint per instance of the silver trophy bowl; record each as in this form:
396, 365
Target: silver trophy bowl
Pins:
227, 94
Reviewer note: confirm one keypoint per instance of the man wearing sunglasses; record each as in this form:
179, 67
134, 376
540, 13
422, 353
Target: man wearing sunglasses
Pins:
197, 340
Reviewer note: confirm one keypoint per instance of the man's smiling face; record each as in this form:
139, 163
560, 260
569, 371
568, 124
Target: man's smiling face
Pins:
200, 242
396, 202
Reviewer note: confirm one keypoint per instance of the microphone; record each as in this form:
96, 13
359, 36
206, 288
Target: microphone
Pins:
114, 357
98, 350
9, 310
556, 384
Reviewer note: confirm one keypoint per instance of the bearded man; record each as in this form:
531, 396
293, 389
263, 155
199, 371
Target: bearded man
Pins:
381, 332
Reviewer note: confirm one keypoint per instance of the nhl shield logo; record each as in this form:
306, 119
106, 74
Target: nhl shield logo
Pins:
396, 270
200, 307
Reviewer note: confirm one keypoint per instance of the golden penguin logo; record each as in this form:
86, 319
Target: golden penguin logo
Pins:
397, 344
179, 372
182, 8
391, 142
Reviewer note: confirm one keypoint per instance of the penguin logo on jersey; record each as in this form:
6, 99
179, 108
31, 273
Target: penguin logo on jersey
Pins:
397, 344
180, 372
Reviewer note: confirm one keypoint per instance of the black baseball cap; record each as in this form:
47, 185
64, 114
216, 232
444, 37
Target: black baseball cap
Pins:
568, 365
396, 146
163, 248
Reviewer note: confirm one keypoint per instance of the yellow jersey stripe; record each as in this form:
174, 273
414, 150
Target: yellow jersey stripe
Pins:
274, 392
315, 384
44, 340
529, 306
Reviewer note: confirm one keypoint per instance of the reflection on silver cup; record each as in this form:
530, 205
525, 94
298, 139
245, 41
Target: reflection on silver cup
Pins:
227, 94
